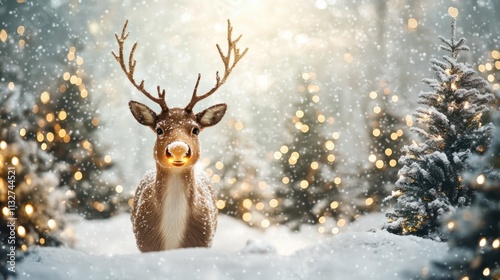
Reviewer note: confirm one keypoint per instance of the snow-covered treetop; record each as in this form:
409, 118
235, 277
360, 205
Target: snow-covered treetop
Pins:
451, 45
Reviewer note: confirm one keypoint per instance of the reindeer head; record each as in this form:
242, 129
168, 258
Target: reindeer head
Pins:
177, 129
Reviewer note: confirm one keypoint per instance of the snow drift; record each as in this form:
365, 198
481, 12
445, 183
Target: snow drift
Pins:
354, 254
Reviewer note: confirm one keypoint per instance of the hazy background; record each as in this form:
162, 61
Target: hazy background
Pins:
353, 47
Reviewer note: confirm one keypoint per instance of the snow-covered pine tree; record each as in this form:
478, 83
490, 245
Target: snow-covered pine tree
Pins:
309, 193
41, 46
70, 135
430, 182
31, 201
490, 70
240, 190
475, 231
387, 137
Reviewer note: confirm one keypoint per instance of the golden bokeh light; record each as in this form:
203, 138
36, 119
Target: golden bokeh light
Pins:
314, 165
119, 189
329, 145
495, 244
247, 203
52, 224
304, 184
453, 12
334, 205
341, 222
480, 179
372, 158
62, 115
330, 158
482, 242
322, 219
28, 208
284, 149
369, 201
285, 180
84, 93
221, 204
20, 30
265, 223
21, 231
247, 217
277, 155
238, 126
273, 203
412, 24
348, 58
62, 132
95, 121
450, 225
78, 175
107, 159
219, 165
3, 35
14, 160
45, 97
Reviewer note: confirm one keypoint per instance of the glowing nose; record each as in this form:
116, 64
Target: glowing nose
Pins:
178, 151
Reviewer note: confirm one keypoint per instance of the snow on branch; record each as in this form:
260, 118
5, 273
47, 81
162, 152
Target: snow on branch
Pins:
451, 45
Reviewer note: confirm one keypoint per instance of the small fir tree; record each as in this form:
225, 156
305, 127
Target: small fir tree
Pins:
38, 44
387, 137
69, 134
490, 70
241, 192
31, 201
32, 204
475, 231
430, 182
309, 193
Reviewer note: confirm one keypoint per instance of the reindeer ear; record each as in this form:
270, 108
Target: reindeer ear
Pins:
211, 116
143, 114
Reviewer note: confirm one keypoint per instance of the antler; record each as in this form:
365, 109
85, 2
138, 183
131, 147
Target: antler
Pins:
228, 67
131, 68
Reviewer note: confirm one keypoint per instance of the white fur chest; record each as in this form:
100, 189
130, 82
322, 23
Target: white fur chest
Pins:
174, 213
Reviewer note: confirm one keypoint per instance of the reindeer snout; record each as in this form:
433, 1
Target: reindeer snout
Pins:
178, 152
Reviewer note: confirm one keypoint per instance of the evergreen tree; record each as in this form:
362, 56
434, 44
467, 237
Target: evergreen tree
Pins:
69, 134
39, 45
32, 204
475, 231
387, 138
430, 182
241, 192
309, 193
490, 70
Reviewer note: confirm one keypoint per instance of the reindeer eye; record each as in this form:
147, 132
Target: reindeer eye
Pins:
159, 131
196, 131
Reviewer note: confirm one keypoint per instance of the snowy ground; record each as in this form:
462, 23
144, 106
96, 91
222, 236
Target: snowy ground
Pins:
106, 250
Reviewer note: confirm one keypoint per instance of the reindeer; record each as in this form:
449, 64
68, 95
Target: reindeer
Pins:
174, 207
